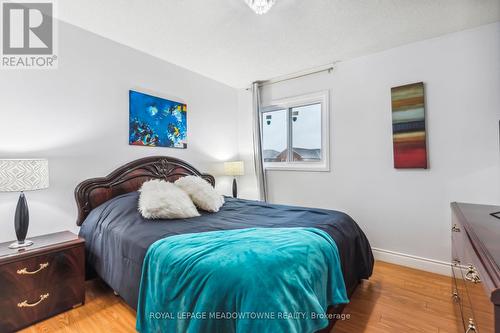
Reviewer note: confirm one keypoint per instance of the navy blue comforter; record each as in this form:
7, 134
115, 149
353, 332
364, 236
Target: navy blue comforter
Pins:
118, 237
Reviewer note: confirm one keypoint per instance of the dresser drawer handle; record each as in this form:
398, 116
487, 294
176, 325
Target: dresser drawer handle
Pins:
472, 327
24, 271
455, 228
25, 304
472, 275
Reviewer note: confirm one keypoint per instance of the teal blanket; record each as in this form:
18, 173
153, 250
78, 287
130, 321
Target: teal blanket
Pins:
248, 280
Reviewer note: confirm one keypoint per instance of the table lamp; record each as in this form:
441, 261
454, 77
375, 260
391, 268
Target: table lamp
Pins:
19, 176
234, 169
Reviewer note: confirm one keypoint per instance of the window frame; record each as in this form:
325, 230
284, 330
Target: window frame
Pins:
322, 98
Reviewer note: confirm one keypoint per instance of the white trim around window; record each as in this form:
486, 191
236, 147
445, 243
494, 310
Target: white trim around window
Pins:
323, 98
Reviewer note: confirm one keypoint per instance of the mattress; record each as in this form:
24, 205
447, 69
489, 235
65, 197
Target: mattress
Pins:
118, 237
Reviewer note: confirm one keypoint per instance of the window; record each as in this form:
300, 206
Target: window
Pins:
295, 133
274, 132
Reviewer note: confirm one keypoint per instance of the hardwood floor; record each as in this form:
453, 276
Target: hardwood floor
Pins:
400, 299
396, 299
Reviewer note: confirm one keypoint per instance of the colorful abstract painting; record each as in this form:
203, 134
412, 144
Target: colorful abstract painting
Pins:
156, 122
408, 126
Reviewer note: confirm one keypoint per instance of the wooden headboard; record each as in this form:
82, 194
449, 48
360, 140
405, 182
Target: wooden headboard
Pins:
129, 178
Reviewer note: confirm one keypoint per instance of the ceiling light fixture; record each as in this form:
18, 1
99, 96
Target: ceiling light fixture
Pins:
260, 6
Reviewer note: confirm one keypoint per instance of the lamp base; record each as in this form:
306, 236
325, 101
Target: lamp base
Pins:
17, 245
235, 188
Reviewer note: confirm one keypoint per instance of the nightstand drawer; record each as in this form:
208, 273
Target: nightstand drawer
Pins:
42, 271
24, 309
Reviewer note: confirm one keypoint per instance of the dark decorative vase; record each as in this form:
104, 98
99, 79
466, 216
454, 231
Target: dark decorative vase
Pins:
235, 188
21, 223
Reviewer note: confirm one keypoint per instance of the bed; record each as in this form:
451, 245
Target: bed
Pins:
118, 237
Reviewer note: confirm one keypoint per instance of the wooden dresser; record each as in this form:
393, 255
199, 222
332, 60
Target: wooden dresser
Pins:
476, 266
42, 280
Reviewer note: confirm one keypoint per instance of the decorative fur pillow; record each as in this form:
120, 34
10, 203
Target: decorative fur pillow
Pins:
163, 200
201, 192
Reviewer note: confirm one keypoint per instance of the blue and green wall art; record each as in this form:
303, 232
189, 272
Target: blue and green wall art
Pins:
156, 122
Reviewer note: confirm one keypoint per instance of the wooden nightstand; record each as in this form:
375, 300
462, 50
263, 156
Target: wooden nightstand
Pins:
42, 280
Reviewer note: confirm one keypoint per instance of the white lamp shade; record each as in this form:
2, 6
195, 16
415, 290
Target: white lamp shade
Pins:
236, 168
24, 175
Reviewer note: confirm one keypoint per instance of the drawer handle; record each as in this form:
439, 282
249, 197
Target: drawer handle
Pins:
472, 327
455, 228
25, 304
24, 271
472, 275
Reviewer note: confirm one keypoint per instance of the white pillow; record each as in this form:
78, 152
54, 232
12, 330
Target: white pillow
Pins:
163, 200
201, 192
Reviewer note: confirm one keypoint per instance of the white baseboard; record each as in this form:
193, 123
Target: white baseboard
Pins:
425, 264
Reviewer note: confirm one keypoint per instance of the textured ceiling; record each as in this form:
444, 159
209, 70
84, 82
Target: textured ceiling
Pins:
226, 41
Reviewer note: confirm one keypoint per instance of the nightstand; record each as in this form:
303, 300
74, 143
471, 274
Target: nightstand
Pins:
42, 280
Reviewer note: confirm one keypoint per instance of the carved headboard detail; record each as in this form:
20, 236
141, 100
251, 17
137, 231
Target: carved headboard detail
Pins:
129, 178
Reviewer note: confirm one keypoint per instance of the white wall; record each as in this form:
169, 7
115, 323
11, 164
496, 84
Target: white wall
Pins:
77, 117
405, 211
